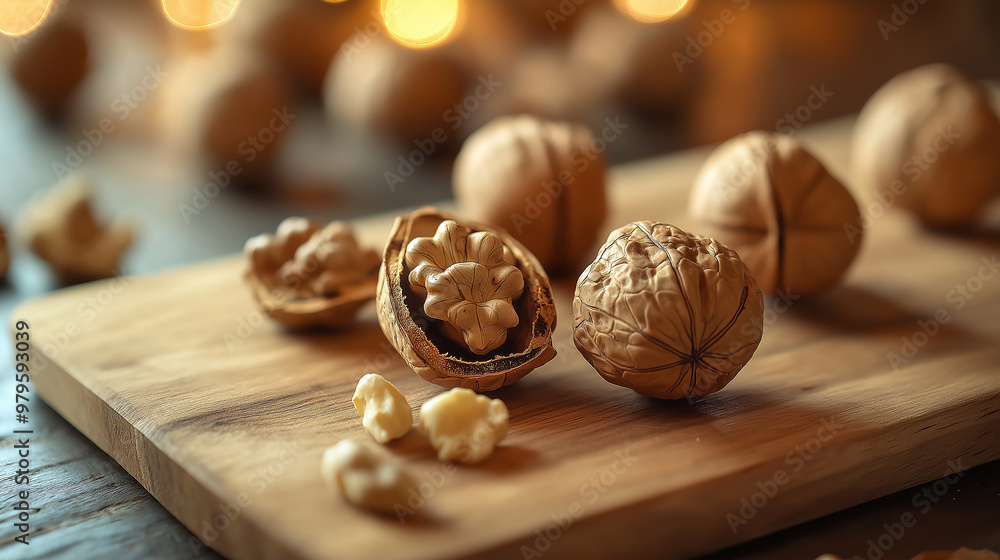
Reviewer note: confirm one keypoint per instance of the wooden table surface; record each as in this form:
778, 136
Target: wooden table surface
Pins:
88, 507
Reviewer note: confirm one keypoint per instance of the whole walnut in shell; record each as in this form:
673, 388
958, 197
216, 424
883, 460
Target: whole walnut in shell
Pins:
305, 276
666, 313
60, 227
791, 221
929, 138
539, 180
464, 304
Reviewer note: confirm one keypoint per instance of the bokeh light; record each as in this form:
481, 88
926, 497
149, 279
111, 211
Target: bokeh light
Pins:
420, 23
20, 17
199, 14
653, 11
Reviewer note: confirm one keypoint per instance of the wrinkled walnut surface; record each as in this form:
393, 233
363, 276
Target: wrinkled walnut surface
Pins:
934, 135
306, 276
60, 227
767, 197
666, 313
423, 342
538, 180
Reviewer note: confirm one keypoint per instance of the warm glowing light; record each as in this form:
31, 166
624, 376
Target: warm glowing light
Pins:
420, 23
653, 11
199, 14
20, 17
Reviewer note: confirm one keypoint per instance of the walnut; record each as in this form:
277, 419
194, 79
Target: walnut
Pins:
59, 226
4, 254
464, 426
52, 63
666, 313
304, 276
384, 411
538, 180
367, 477
446, 291
791, 221
929, 140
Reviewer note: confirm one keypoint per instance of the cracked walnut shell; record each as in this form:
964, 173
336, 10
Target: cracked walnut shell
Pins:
464, 304
304, 276
666, 313
791, 221
60, 227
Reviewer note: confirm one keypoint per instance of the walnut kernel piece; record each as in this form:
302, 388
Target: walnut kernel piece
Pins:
538, 180
464, 426
59, 226
304, 276
767, 197
384, 411
436, 349
469, 280
367, 478
666, 313
929, 139
4, 254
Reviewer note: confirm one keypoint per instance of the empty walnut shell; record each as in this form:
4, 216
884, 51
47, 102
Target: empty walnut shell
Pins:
929, 139
666, 313
792, 223
438, 356
540, 181
305, 276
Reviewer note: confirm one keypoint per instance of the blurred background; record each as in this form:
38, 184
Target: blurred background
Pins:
208, 121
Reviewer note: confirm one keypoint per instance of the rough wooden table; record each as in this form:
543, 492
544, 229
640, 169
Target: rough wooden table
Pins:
85, 506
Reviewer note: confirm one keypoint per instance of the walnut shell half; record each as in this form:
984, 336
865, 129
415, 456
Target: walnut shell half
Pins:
305, 276
666, 313
441, 355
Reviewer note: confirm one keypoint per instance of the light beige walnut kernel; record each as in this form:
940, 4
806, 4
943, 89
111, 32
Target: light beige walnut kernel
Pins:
60, 227
385, 414
305, 276
464, 426
365, 476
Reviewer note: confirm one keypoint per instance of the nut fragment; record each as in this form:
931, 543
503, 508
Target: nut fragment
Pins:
464, 426
4, 254
929, 139
383, 409
305, 276
767, 197
367, 478
439, 351
666, 313
538, 180
59, 226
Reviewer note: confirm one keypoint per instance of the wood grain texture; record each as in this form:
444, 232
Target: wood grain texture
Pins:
213, 427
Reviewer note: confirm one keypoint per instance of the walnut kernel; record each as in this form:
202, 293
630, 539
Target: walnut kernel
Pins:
384, 411
464, 426
366, 477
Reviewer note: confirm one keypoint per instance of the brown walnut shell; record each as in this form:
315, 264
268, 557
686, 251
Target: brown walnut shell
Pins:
791, 221
308, 299
929, 139
421, 341
666, 313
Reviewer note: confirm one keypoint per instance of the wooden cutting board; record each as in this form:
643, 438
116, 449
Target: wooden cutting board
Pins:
223, 416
